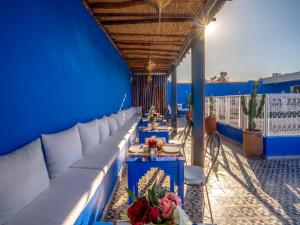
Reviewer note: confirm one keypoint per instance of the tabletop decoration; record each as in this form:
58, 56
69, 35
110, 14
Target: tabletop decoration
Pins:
157, 208
154, 145
152, 120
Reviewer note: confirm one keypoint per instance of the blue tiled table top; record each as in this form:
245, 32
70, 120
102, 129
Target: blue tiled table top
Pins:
143, 134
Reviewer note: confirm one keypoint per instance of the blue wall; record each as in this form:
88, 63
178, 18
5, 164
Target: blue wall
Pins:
234, 88
56, 68
273, 145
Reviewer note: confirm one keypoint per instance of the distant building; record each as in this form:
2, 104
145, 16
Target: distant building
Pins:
289, 78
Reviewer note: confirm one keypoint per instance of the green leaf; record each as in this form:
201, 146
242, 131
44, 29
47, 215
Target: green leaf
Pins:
131, 195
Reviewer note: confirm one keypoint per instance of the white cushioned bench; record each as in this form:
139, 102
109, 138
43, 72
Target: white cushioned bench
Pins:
63, 188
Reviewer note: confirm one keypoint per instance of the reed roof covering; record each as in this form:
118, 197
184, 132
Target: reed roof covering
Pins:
134, 28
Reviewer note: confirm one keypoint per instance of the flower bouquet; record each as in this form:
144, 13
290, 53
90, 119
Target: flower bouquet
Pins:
157, 208
152, 119
155, 143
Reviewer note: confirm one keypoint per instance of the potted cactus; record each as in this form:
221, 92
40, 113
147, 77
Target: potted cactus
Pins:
211, 121
252, 137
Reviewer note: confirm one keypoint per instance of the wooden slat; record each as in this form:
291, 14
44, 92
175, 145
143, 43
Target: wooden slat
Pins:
114, 35
144, 59
145, 21
149, 50
114, 5
154, 43
145, 15
130, 3
153, 54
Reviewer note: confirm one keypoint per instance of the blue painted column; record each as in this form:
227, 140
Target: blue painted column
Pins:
198, 95
174, 98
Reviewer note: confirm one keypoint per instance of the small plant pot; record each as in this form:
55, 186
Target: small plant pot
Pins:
210, 124
253, 143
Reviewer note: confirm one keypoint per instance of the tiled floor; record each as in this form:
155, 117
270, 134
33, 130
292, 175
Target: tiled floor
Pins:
241, 191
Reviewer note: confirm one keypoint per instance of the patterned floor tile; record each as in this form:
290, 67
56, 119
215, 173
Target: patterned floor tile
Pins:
241, 191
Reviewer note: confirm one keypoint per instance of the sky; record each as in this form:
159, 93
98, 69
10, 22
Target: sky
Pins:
251, 39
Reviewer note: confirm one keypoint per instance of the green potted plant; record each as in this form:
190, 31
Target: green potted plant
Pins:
252, 137
211, 121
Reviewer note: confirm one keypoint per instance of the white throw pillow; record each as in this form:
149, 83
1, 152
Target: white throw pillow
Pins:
23, 176
120, 118
89, 134
61, 150
103, 129
112, 123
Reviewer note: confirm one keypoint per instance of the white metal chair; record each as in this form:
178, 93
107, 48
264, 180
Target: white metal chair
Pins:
196, 176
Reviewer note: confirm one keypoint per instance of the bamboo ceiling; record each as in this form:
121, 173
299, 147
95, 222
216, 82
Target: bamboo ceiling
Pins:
134, 28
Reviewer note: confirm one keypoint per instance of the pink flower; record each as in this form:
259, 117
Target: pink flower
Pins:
167, 207
174, 198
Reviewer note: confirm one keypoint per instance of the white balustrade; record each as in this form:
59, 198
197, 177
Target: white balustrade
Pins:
280, 116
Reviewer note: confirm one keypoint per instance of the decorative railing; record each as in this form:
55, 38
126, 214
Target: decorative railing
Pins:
280, 116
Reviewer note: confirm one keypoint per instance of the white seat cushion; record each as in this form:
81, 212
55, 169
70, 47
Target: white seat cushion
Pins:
120, 118
99, 158
112, 123
89, 134
103, 129
63, 201
194, 175
23, 176
61, 150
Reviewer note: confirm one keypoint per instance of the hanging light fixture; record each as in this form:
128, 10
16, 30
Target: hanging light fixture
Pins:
159, 5
150, 66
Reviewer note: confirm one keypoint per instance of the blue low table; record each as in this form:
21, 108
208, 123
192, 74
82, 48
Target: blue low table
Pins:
144, 134
145, 122
171, 166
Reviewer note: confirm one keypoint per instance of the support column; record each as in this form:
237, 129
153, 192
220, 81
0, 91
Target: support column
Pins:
174, 98
198, 97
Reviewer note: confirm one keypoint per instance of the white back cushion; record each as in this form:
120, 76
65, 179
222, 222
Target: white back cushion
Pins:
133, 111
103, 129
127, 114
89, 134
61, 150
112, 123
23, 176
120, 118
138, 110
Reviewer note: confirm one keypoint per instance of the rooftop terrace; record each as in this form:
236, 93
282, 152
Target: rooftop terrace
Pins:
242, 191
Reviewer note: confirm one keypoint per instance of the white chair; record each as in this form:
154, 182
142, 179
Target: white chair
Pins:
196, 176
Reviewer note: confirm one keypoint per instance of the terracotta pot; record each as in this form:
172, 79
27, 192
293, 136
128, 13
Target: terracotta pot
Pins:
210, 124
253, 143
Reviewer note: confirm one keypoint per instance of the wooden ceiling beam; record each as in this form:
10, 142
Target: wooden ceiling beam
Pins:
146, 58
116, 5
130, 3
147, 50
154, 43
144, 15
153, 54
145, 21
114, 35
